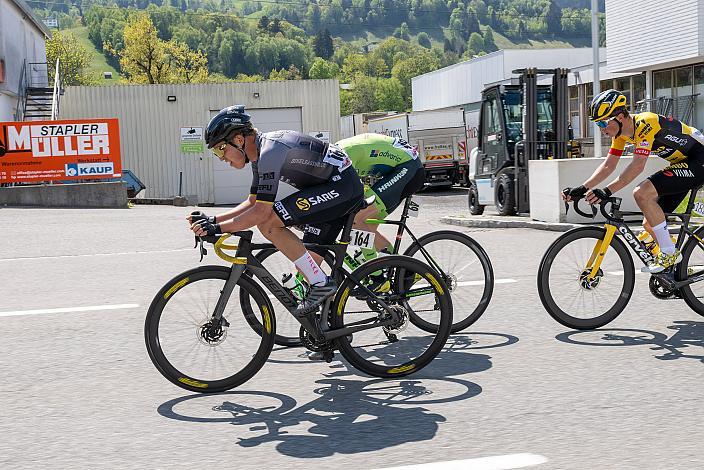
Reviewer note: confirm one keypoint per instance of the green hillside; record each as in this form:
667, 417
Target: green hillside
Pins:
98, 64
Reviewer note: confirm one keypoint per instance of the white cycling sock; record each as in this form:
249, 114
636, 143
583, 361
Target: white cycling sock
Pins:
664, 240
310, 269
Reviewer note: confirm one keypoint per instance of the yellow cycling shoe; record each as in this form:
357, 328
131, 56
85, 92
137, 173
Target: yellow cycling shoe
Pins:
662, 262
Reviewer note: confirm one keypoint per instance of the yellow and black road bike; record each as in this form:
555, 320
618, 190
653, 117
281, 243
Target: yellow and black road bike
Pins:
200, 337
587, 275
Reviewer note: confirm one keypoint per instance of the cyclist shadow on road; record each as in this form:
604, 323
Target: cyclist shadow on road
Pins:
347, 417
681, 345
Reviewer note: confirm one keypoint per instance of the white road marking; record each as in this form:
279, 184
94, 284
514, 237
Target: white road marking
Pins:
25, 258
93, 308
499, 462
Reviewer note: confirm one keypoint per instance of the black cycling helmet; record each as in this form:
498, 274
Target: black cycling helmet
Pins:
229, 119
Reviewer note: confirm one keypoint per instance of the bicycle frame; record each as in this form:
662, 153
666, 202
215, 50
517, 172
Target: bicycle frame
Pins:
244, 260
615, 222
403, 227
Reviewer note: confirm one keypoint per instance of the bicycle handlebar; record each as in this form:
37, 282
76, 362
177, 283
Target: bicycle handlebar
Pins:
615, 205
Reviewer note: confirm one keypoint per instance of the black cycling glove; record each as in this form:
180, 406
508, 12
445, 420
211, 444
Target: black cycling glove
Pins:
209, 227
575, 193
602, 194
198, 215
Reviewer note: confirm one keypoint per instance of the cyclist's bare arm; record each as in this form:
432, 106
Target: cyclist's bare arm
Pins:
603, 171
630, 173
232, 213
248, 215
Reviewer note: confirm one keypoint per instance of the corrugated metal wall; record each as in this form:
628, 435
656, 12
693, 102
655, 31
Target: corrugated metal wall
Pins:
645, 33
150, 125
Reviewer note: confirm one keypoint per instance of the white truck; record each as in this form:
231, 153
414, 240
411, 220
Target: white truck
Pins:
393, 125
440, 137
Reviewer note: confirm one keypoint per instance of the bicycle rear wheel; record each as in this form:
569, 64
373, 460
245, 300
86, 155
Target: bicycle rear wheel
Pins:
195, 351
465, 268
565, 287
402, 348
692, 262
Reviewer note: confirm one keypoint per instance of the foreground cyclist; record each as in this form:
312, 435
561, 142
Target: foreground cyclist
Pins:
681, 145
393, 172
328, 189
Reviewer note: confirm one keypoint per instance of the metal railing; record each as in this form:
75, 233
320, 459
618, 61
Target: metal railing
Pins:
22, 93
56, 95
680, 108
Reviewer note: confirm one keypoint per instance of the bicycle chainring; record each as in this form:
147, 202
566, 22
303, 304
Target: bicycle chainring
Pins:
311, 344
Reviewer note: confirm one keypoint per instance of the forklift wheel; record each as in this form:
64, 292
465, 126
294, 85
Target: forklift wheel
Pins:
504, 195
474, 207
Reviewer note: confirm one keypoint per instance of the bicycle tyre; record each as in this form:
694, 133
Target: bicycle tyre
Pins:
285, 334
169, 292
688, 295
488, 276
546, 297
403, 264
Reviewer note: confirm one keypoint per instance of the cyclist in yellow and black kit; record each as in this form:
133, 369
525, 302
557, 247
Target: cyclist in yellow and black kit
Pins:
651, 134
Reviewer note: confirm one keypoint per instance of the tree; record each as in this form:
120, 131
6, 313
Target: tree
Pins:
363, 98
73, 59
144, 58
322, 68
186, 66
354, 64
322, 44
402, 32
476, 43
263, 24
489, 44
389, 95
424, 40
553, 18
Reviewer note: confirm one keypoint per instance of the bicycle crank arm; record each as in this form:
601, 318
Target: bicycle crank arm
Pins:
348, 330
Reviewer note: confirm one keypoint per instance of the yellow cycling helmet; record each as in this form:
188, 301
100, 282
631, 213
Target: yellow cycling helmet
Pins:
607, 104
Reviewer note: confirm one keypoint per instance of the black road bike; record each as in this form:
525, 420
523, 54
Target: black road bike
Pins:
202, 340
587, 275
459, 259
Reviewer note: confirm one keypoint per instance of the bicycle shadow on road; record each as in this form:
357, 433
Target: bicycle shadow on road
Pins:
687, 335
347, 417
456, 358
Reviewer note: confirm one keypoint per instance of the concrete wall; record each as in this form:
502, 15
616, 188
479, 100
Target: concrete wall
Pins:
549, 177
102, 195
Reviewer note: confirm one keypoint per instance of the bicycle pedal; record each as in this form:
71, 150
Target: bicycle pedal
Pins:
327, 356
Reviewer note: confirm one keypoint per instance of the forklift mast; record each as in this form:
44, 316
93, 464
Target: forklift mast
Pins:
553, 144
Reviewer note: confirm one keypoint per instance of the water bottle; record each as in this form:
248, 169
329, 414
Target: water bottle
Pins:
295, 284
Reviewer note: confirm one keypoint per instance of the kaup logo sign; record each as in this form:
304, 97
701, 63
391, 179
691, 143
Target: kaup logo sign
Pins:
37, 151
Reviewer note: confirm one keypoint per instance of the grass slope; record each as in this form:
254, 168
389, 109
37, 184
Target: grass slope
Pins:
98, 64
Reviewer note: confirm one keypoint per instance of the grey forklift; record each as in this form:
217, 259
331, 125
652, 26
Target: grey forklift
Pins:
518, 123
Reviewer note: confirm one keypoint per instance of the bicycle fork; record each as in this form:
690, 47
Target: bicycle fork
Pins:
599, 252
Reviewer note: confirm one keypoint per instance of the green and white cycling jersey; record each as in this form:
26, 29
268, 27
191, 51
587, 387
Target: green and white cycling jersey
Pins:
376, 155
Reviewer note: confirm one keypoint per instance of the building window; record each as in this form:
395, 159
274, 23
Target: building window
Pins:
574, 111
698, 120
662, 84
624, 86
638, 89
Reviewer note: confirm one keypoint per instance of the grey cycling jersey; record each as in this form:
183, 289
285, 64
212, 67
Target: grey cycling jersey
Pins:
294, 158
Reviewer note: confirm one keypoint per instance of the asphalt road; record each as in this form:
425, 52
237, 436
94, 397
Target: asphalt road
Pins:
517, 390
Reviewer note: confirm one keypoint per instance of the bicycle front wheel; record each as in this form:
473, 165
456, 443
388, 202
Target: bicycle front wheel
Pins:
400, 348
566, 288
465, 268
194, 350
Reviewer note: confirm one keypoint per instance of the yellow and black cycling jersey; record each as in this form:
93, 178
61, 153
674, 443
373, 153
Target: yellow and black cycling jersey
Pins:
664, 137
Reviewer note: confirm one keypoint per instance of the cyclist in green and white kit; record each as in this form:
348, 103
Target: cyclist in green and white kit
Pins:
391, 171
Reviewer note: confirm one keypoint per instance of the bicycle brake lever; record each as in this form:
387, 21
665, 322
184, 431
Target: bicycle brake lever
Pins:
202, 250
